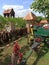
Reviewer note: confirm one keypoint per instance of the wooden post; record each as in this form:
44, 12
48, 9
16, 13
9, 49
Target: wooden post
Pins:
28, 31
28, 28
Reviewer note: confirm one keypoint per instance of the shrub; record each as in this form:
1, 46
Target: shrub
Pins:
18, 22
7, 60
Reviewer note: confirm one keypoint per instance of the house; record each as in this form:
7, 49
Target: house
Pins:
9, 13
44, 21
30, 19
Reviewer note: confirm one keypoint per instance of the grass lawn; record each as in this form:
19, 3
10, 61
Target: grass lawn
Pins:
34, 59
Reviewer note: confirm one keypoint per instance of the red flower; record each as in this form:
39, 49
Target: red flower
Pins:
20, 56
16, 47
38, 39
10, 64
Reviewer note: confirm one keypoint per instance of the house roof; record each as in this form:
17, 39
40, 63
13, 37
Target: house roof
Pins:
44, 21
30, 16
7, 11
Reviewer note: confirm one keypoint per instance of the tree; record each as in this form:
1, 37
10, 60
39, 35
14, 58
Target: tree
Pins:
39, 18
42, 6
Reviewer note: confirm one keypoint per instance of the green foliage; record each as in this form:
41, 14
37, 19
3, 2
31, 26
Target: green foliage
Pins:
39, 18
19, 22
7, 60
42, 6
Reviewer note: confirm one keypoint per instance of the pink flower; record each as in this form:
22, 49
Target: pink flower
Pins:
10, 64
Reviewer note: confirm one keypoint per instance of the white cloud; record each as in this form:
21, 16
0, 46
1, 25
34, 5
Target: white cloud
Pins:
19, 10
38, 14
13, 6
23, 12
25, 2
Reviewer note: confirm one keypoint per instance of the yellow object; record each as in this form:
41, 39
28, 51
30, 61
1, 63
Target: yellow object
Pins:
32, 32
31, 36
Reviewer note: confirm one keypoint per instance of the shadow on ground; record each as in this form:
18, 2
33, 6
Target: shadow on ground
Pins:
41, 54
24, 49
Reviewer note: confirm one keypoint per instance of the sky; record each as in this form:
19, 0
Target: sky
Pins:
21, 7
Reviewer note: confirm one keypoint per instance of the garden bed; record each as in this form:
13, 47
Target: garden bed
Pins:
34, 59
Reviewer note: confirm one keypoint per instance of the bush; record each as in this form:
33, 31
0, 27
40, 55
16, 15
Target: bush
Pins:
39, 18
7, 60
18, 22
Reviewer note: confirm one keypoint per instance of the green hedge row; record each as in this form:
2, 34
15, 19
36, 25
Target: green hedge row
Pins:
19, 22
